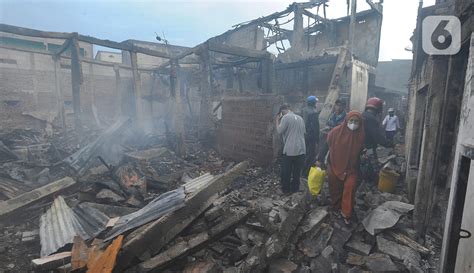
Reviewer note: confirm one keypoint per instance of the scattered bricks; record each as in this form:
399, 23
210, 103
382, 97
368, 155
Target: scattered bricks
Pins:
282, 266
109, 196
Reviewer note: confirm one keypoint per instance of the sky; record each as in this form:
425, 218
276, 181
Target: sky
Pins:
188, 22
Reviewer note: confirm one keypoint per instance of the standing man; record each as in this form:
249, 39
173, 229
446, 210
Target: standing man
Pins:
292, 129
311, 122
373, 136
391, 123
338, 115
373, 132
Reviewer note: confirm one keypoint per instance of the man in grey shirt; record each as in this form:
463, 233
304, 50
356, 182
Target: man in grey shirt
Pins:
292, 129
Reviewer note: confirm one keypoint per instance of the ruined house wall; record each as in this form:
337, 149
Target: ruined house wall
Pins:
28, 95
464, 148
246, 129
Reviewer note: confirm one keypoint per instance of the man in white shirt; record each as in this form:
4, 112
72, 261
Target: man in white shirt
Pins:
292, 129
391, 123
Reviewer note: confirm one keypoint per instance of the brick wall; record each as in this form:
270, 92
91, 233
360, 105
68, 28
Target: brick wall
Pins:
246, 129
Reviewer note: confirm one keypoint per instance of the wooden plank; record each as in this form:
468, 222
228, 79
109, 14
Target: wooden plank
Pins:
153, 237
59, 96
138, 115
237, 51
401, 238
76, 80
334, 87
205, 86
27, 198
51, 262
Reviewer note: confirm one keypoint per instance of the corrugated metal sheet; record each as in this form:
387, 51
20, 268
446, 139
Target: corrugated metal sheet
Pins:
60, 224
198, 183
163, 204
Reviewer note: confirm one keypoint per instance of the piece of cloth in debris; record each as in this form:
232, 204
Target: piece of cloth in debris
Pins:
385, 216
60, 224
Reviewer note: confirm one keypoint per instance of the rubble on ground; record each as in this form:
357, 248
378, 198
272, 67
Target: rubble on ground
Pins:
152, 211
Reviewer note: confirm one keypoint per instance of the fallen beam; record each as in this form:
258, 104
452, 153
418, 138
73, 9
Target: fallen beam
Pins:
51, 262
237, 51
196, 243
27, 198
403, 239
151, 238
33, 32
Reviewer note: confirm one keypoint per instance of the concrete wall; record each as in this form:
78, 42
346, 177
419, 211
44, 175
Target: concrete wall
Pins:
106, 56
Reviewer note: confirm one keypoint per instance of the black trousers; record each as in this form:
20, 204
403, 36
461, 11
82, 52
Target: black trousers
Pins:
310, 155
290, 172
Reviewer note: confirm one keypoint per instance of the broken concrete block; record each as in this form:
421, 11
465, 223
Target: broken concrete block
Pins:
355, 259
282, 266
378, 262
321, 264
399, 252
385, 216
109, 196
358, 247
312, 246
312, 221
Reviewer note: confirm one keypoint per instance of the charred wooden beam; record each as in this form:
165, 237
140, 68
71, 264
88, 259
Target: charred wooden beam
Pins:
196, 243
76, 80
376, 7
236, 50
33, 32
138, 115
63, 47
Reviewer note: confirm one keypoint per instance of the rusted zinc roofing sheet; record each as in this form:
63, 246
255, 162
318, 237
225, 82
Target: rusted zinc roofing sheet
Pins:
60, 224
162, 205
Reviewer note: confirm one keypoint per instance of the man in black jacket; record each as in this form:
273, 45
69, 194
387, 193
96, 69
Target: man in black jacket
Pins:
374, 134
311, 120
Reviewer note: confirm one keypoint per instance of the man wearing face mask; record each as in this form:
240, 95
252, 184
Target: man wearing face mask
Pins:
391, 124
292, 129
